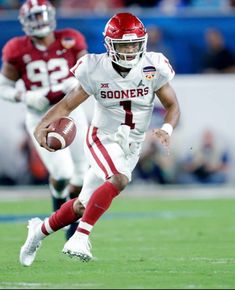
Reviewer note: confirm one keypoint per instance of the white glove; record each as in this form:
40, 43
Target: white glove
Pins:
69, 84
36, 99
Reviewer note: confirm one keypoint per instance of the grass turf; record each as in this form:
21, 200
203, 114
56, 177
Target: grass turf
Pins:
139, 244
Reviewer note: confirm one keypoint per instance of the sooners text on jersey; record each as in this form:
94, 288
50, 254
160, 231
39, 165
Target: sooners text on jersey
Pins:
121, 100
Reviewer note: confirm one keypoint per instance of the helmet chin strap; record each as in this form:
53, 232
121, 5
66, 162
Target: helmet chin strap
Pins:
40, 33
125, 63
129, 63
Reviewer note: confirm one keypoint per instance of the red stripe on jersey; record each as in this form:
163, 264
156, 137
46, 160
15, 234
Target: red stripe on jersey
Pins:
95, 156
73, 69
103, 151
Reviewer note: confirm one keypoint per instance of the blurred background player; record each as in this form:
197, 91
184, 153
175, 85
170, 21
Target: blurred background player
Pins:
42, 60
124, 82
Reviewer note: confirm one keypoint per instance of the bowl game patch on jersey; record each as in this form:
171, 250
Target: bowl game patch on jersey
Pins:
68, 42
149, 72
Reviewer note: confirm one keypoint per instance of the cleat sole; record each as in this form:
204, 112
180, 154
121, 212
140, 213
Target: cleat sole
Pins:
80, 256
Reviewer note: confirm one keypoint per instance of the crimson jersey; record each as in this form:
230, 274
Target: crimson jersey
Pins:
45, 68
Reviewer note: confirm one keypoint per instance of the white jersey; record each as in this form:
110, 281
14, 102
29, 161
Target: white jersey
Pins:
121, 100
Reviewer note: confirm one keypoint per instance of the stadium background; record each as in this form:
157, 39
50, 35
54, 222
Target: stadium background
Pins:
155, 236
207, 101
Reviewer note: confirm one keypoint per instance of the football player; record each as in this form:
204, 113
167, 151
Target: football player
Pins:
42, 59
124, 82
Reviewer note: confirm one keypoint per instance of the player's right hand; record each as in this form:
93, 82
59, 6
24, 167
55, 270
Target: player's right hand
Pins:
40, 135
36, 100
163, 138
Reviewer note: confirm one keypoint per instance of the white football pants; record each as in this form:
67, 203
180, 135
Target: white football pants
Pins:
108, 155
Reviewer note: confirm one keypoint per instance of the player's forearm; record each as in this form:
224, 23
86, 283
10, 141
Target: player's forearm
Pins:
57, 111
168, 98
172, 115
71, 101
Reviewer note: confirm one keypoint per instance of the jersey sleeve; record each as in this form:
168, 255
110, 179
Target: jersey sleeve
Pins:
10, 52
165, 72
81, 72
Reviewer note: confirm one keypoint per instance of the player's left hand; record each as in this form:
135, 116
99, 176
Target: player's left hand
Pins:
163, 137
36, 99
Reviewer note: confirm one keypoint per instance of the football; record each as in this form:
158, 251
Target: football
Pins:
63, 134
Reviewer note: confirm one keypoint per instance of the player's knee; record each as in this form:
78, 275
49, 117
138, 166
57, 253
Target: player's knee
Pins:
60, 184
78, 207
119, 180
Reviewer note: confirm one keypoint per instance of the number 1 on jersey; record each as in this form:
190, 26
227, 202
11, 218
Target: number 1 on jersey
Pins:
129, 116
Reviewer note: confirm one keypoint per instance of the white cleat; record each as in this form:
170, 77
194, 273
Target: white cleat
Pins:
32, 243
78, 247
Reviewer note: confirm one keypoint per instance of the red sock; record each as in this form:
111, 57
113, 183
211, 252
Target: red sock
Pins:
61, 218
98, 204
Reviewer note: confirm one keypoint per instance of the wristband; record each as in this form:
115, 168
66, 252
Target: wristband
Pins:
167, 127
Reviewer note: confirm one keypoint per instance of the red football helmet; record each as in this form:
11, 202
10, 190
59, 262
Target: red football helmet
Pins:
125, 30
37, 17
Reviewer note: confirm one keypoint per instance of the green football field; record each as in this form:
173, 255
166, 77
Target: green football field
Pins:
138, 244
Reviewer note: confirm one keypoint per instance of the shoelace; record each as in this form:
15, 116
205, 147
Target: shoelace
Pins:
32, 245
